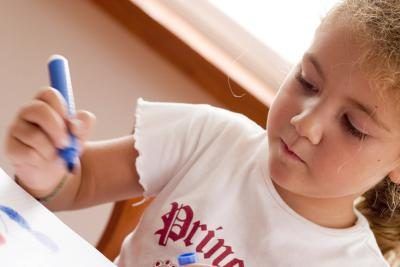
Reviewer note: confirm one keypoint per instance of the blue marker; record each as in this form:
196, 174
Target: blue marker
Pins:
60, 80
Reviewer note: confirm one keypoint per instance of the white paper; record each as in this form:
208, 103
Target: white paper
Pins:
32, 236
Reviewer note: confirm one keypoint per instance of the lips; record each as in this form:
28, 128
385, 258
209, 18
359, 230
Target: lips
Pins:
291, 152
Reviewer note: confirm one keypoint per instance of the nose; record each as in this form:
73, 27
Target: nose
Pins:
309, 124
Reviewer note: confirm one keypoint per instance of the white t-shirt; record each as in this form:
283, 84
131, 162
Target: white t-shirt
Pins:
207, 168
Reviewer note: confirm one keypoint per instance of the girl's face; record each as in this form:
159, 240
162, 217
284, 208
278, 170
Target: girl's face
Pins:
321, 113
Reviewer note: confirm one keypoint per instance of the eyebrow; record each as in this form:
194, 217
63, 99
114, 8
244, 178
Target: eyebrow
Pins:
366, 109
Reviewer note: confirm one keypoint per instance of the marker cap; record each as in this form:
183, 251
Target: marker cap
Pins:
187, 258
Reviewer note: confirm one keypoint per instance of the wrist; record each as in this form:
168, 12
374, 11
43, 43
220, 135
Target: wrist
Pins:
40, 195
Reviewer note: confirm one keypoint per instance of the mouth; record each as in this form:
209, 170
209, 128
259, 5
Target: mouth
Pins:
289, 152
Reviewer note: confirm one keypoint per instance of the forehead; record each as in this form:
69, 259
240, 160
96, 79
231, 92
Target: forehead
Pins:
335, 57
336, 48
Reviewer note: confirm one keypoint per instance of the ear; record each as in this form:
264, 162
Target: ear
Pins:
394, 175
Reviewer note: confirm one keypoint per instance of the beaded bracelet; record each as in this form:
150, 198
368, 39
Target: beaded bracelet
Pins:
52, 194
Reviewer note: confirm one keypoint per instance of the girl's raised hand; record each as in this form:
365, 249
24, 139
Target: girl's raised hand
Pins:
31, 142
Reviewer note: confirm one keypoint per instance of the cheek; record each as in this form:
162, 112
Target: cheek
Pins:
344, 171
336, 157
283, 107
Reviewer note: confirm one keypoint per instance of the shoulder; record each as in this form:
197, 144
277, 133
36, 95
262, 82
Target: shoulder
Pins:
196, 115
221, 117
373, 252
371, 245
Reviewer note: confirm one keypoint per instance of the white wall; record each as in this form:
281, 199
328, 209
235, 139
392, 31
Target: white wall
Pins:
110, 69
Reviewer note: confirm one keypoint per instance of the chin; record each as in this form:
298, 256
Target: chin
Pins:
289, 179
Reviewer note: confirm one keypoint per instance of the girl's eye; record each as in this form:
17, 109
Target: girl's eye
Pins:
352, 130
305, 85
308, 87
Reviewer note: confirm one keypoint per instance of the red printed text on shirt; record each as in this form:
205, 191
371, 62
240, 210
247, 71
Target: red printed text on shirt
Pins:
180, 226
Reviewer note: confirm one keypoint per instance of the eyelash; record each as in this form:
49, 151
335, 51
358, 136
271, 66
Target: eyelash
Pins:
308, 88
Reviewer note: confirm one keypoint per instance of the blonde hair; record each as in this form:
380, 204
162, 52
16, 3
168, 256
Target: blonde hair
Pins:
376, 25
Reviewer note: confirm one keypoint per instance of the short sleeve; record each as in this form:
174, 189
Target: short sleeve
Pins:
166, 135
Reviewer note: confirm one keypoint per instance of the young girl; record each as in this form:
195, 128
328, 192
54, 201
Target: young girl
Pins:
318, 187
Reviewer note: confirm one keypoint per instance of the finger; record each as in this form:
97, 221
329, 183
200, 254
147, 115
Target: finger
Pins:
31, 135
54, 99
20, 153
82, 124
53, 125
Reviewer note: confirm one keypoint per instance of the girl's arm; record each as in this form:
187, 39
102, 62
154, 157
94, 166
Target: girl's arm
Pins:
107, 173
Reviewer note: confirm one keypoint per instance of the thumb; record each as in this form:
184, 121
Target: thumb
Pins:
82, 124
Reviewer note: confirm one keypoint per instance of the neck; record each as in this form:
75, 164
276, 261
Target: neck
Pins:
326, 212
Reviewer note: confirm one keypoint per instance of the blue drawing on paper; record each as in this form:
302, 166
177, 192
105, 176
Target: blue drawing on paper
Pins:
23, 223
